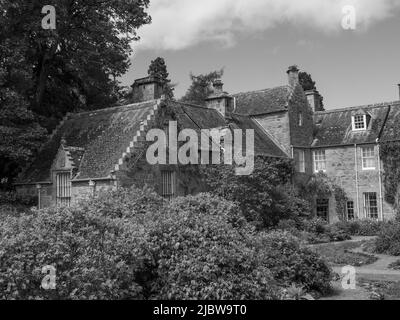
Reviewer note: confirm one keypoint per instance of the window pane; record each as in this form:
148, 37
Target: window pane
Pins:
368, 158
350, 210
323, 208
371, 205
319, 160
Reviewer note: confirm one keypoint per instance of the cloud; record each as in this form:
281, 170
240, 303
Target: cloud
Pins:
179, 24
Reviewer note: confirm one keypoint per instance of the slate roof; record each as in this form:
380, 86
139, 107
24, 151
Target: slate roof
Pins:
96, 140
103, 135
391, 131
334, 127
263, 101
263, 145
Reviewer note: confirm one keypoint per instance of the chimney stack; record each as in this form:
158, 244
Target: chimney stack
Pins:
219, 99
314, 100
293, 76
146, 89
399, 90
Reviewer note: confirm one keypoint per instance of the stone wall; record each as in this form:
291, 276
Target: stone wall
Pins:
342, 169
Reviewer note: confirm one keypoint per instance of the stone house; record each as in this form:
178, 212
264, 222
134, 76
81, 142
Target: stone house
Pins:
98, 150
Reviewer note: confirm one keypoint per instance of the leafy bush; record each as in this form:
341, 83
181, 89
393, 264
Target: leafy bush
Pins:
292, 264
206, 250
388, 240
361, 227
265, 197
131, 244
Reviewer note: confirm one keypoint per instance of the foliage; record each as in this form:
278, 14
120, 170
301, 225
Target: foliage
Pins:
388, 240
365, 227
320, 186
263, 196
158, 68
390, 156
291, 263
76, 64
205, 250
308, 83
46, 73
342, 254
201, 87
131, 244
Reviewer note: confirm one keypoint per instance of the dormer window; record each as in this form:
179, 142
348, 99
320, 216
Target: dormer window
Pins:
359, 122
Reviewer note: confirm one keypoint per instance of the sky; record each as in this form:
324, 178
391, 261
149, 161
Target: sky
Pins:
255, 41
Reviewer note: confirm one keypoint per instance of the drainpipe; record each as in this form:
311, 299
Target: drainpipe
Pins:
358, 193
39, 188
380, 178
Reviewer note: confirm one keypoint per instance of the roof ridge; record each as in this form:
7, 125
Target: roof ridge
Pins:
261, 90
374, 105
134, 106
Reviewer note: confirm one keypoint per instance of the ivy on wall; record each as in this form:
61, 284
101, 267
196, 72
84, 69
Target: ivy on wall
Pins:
390, 156
319, 186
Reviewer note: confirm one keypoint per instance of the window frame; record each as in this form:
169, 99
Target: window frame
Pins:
63, 188
317, 161
371, 211
302, 161
365, 158
169, 192
350, 209
323, 204
355, 122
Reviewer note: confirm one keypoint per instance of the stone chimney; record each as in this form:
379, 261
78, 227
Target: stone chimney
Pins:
293, 76
399, 90
314, 100
219, 99
148, 88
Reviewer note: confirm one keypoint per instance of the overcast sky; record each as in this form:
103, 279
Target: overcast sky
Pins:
256, 40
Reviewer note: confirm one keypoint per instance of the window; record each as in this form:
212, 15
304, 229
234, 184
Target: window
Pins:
319, 161
371, 205
350, 210
323, 209
168, 184
63, 192
302, 162
368, 158
359, 122
300, 119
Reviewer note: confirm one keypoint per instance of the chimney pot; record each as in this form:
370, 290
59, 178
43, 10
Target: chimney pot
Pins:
218, 86
293, 75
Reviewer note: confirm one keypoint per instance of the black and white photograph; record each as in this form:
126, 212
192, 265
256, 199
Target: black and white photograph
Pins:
199, 156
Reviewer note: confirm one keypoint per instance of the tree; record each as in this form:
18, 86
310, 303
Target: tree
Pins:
21, 135
308, 83
46, 73
265, 196
158, 68
76, 65
200, 88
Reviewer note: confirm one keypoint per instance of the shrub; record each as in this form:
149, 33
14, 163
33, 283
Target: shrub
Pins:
388, 240
361, 227
206, 250
95, 257
131, 244
292, 264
